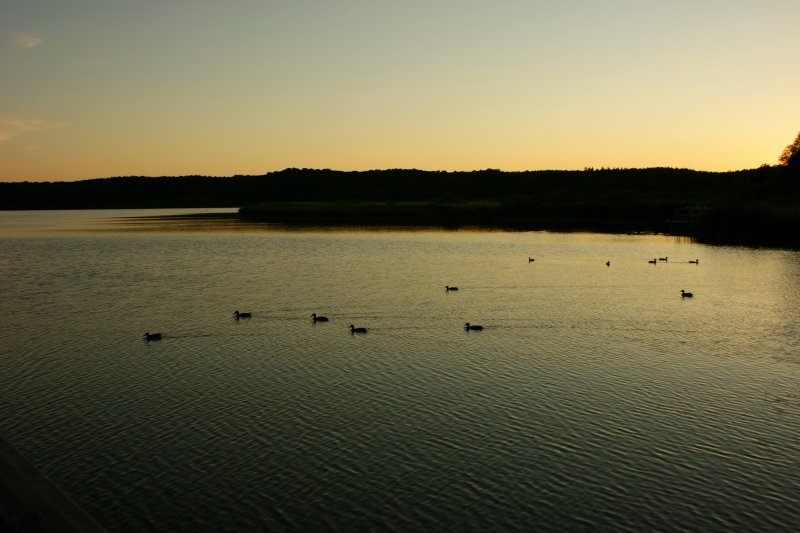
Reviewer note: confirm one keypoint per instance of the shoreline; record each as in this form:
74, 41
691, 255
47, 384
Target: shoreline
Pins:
756, 207
752, 226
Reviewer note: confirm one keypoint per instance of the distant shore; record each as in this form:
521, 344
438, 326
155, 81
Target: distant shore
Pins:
758, 207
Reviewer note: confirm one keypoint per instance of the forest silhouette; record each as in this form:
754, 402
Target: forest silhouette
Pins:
757, 207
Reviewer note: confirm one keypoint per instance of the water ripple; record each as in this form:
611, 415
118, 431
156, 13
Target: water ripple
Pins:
599, 388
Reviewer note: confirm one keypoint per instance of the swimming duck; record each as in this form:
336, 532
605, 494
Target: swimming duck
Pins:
354, 329
531, 260
472, 327
239, 315
152, 336
696, 261
652, 261
319, 318
685, 294
608, 263
448, 288
663, 258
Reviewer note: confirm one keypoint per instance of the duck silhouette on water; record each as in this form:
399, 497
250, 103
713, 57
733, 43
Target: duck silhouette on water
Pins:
685, 294
354, 329
448, 288
318, 318
239, 315
472, 327
152, 336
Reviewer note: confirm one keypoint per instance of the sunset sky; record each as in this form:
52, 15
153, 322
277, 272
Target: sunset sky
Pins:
99, 88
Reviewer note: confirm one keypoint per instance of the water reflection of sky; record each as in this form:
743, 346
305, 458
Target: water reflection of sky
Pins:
586, 375
27, 223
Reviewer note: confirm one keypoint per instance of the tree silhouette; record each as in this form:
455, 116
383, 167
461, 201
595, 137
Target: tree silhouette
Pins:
791, 154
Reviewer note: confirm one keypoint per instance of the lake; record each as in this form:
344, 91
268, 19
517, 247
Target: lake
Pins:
595, 397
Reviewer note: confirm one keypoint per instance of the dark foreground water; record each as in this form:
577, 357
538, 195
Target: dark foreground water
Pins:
595, 398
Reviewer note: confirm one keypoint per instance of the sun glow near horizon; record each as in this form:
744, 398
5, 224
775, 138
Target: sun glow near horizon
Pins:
200, 88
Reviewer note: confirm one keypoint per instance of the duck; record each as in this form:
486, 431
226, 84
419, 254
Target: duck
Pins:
608, 263
239, 315
354, 329
696, 261
685, 294
531, 260
448, 288
319, 318
472, 327
663, 258
152, 336
652, 261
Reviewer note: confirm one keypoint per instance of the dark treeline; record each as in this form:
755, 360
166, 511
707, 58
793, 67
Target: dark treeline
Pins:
758, 206
124, 192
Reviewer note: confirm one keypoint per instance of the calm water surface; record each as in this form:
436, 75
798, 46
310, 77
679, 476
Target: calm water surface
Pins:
594, 398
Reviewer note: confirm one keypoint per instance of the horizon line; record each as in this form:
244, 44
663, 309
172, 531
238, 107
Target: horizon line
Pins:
396, 169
